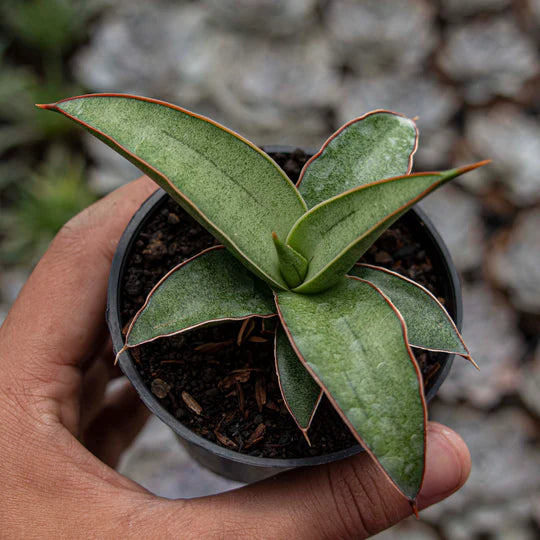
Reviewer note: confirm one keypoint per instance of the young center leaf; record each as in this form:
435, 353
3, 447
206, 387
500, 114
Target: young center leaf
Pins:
301, 394
335, 234
378, 145
428, 324
292, 265
210, 287
225, 182
354, 343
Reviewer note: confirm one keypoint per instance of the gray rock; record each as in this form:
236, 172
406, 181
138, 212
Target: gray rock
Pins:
480, 181
272, 92
426, 98
505, 471
381, 35
436, 148
270, 17
515, 262
533, 17
529, 384
410, 529
457, 217
489, 58
276, 92
490, 331
498, 521
455, 9
512, 139
127, 52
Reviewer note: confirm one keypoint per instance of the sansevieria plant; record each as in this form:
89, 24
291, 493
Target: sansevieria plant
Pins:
346, 329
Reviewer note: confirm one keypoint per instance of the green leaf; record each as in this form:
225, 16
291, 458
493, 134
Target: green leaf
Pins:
428, 324
336, 233
225, 182
378, 145
352, 340
292, 265
301, 394
208, 288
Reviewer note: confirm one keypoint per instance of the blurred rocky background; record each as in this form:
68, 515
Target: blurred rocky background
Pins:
291, 72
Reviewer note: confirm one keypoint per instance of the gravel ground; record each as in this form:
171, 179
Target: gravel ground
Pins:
290, 73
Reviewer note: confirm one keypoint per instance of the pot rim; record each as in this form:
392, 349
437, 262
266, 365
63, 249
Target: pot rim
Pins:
128, 368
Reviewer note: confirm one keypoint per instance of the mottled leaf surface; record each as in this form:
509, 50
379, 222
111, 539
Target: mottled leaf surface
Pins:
300, 392
428, 324
376, 146
352, 340
211, 287
335, 234
230, 186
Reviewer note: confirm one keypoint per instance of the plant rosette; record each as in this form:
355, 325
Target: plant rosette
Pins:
289, 254
226, 461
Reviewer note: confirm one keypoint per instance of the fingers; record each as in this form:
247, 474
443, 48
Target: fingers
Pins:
448, 460
59, 315
115, 427
347, 499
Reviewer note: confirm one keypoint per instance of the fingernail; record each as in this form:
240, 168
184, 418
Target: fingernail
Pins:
447, 464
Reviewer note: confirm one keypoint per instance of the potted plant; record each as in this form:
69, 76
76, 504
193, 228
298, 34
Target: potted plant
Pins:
288, 259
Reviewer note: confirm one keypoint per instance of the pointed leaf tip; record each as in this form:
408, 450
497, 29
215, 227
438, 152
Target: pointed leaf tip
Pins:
46, 106
292, 265
429, 326
414, 508
472, 166
333, 235
352, 340
301, 394
470, 359
196, 160
120, 352
210, 287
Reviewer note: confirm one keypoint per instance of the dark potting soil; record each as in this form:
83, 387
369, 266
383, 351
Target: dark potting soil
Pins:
220, 381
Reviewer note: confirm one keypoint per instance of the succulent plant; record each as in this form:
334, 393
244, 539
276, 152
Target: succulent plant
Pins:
346, 329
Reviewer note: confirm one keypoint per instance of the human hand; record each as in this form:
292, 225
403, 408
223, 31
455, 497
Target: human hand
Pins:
60, 439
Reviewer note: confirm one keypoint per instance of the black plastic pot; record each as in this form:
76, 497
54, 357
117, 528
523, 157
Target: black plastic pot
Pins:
228, 463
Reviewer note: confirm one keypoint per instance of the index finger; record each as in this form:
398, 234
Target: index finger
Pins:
60, 313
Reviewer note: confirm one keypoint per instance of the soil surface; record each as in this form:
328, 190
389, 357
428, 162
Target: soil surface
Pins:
220, 381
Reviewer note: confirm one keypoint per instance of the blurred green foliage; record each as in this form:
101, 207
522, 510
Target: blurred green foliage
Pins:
48, 198
20, 121
38, 35
51, 27
38, 38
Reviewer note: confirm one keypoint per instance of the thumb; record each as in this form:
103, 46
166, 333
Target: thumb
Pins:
346, 499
